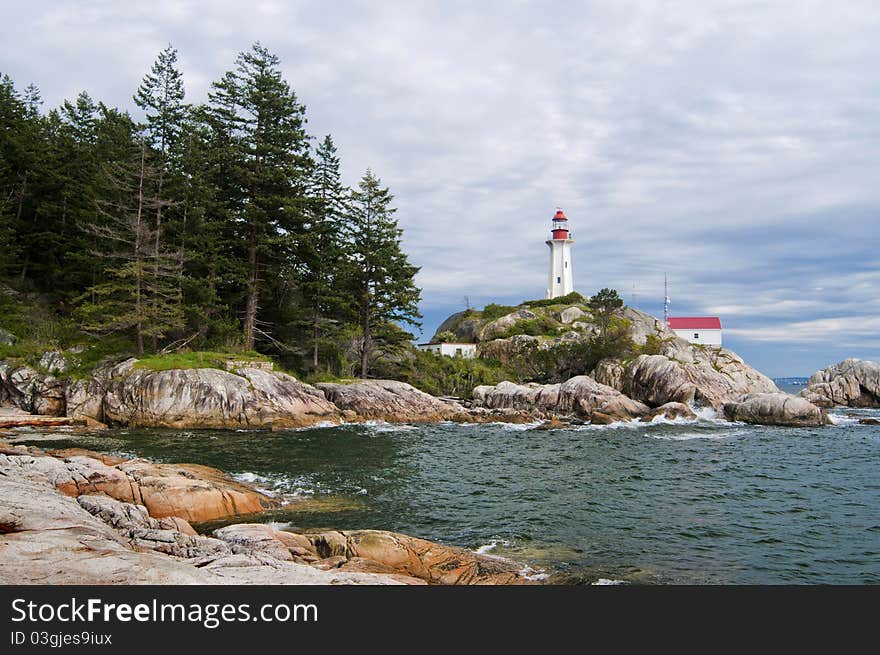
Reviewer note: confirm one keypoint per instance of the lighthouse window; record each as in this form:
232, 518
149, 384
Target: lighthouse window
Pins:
559, 280
566, 264
696, 335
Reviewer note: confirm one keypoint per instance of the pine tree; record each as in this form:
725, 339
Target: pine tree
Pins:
139, 293
382, 279
161, 95
263, 168
322, 251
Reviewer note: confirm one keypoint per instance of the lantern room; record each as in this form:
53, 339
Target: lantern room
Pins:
560, 225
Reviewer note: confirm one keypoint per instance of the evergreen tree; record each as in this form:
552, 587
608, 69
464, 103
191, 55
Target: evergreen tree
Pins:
262, 169
382, 279
322, 251
139, 293
161, 95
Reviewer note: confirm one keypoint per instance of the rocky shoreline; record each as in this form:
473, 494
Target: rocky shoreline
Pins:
78, 517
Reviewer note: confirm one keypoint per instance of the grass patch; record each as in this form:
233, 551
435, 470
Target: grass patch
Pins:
492, 311
195, 359
573, 298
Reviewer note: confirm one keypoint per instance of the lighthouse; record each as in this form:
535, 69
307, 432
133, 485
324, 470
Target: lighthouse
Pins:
560, 257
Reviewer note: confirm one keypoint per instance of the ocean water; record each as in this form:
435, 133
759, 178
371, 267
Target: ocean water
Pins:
687, 502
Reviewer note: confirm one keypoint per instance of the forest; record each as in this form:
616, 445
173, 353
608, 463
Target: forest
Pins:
181, 227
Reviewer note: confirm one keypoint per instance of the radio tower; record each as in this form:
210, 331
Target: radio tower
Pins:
665, 300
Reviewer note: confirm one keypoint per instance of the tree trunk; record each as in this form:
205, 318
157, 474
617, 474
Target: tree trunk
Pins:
315, 339
137, 254
367, 346
250, 311
156, 247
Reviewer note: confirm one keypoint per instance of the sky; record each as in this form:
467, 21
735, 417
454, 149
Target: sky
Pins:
732, 146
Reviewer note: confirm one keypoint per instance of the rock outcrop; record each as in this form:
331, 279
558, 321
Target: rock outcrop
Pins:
685, 374
851, 383
389, 400
47, 537
30, 390
580, 396
775, 409
211, 398
500, 326
189, 491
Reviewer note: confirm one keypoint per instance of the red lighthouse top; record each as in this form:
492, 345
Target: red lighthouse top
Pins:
560, 225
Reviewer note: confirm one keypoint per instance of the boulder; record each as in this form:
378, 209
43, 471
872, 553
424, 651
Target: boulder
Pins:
670, 411
429, 561
580, 396
6, 337
31, 391
851, 383
389, 400
54, 362
211, 398
775, 409
642, 325
500, 326
571, 314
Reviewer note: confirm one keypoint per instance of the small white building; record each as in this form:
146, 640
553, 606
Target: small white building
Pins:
704, 330
450, 349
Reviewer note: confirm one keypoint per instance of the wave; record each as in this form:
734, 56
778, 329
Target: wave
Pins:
485, 549
533, 574
601, 582
384, 426
279, 485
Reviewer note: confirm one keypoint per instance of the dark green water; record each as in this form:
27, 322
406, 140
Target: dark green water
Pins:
699, 502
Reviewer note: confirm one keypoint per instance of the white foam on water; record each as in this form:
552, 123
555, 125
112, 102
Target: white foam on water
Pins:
485, 549
602, 582
274, 486
518, 427
711, 436
250, 478
533, 574
383, 426
843, 419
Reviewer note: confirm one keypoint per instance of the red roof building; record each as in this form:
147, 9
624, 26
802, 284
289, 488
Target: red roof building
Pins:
705, 330
695, 323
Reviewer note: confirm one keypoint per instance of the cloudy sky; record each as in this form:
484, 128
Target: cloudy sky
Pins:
734, 146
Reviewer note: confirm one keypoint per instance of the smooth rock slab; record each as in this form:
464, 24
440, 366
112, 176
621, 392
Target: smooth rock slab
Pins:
775, 409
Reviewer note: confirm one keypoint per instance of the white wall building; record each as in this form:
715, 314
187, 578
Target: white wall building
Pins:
450, 349
560, 280
697, 329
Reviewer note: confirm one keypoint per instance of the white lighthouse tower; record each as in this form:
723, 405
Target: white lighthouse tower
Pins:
560, 257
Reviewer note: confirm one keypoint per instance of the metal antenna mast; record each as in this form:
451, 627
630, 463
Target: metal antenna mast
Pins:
665, 300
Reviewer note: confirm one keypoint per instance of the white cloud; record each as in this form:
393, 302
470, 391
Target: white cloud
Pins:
734, 146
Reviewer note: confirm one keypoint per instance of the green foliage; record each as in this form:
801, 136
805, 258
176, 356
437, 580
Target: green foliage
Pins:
382, 281
492, 311
540, 326
573, 298
213, 228
446, 336
446, 376
653, 345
